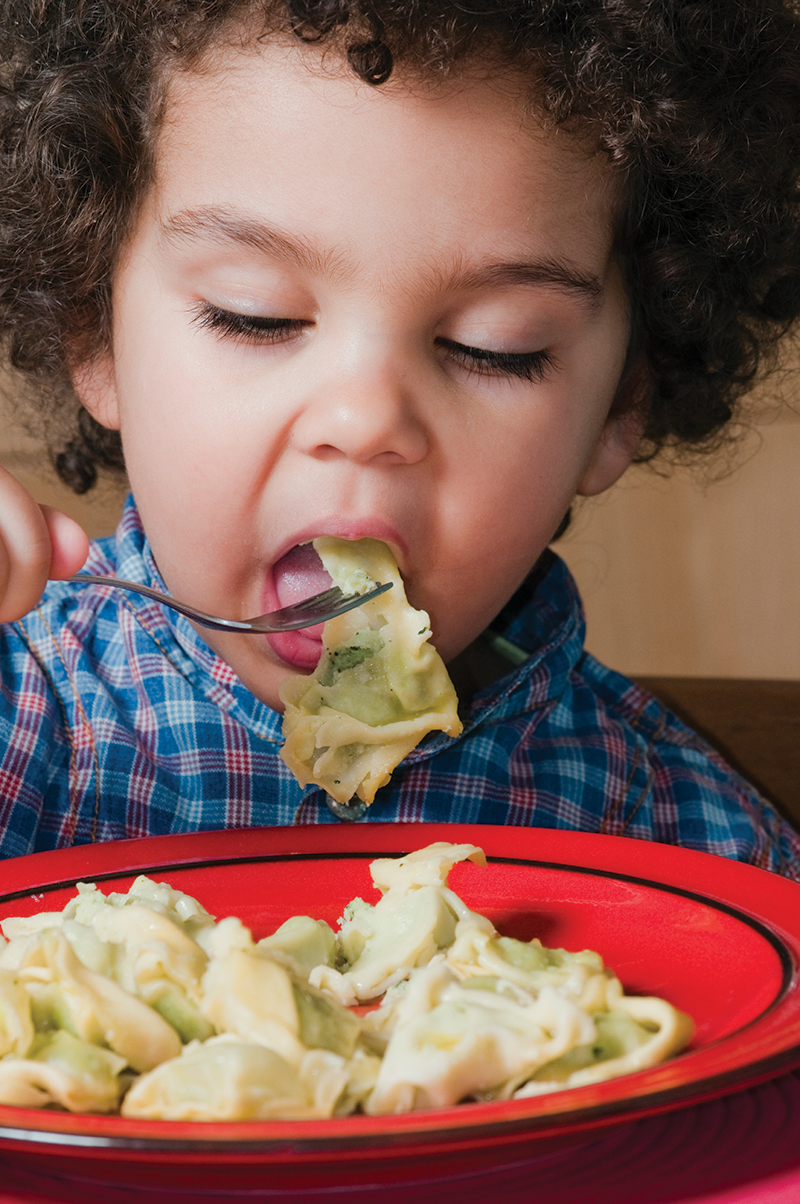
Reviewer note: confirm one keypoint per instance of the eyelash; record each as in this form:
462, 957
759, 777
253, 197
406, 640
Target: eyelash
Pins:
528, 365
532, 366
247, 328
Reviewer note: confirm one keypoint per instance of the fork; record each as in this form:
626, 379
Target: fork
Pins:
307, 613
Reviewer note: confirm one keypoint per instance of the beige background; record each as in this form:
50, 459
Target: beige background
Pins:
98, 511
681, 575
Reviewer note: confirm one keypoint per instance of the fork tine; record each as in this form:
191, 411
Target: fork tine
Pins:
322, 607
331, 597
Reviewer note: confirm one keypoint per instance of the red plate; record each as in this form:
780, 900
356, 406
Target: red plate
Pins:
718, 939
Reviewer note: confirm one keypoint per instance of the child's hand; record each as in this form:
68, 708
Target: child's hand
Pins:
36, 543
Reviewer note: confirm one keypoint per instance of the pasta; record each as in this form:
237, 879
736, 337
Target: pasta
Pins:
142, 1002
379, 687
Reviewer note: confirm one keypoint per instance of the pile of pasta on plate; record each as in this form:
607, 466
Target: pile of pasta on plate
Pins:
142, 1002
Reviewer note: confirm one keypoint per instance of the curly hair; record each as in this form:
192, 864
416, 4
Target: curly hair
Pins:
695, 103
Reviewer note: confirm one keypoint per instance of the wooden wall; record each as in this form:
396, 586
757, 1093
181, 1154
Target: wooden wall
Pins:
691, 577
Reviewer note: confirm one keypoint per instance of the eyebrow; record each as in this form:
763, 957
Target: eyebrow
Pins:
542, 273
227, 226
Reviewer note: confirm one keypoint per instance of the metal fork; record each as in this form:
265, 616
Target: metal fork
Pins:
307, 613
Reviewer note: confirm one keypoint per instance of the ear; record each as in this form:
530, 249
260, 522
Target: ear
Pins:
96, 386
621, 435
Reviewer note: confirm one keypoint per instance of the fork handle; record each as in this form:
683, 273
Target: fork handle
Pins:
290, 618
191, 612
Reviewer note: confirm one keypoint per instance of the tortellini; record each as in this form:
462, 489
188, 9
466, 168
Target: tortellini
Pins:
142, 1002
16, 1026
228, 1079
452, 1039
61, 1069
416, 917
380, 685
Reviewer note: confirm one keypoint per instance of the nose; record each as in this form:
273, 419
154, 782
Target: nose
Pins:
364, 413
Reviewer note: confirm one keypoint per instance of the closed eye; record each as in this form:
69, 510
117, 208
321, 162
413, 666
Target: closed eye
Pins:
528, 365
247, 328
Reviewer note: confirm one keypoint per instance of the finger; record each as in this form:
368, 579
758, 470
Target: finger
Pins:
69, 543
25, 549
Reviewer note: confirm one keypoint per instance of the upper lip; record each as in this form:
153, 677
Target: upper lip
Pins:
348, 528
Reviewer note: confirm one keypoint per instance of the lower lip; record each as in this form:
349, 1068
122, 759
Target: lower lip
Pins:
300, 649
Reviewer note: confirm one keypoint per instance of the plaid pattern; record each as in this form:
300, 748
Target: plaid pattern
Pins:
117, 720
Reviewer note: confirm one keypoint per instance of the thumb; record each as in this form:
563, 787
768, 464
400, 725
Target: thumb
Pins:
70, 543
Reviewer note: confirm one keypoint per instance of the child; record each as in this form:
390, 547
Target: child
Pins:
417, 271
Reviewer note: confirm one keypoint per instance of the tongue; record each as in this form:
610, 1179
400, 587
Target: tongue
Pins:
299, 575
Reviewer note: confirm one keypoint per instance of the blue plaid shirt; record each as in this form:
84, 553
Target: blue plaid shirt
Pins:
117, 720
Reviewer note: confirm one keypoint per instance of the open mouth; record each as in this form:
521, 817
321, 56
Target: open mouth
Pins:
299, 575
296, 576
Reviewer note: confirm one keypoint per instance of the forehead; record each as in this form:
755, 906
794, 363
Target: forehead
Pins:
291, 127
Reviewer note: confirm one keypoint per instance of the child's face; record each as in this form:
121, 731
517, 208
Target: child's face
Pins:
389, 312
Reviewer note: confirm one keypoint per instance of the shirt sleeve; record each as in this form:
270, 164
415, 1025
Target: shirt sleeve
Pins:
34, 746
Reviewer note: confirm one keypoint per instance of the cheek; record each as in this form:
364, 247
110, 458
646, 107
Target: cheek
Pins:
510, 485
172, 408
491, 526
526, 462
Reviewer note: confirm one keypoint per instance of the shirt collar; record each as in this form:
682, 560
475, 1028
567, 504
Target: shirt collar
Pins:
544, 624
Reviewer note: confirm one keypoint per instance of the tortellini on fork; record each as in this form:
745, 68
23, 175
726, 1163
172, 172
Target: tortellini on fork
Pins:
380, 685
